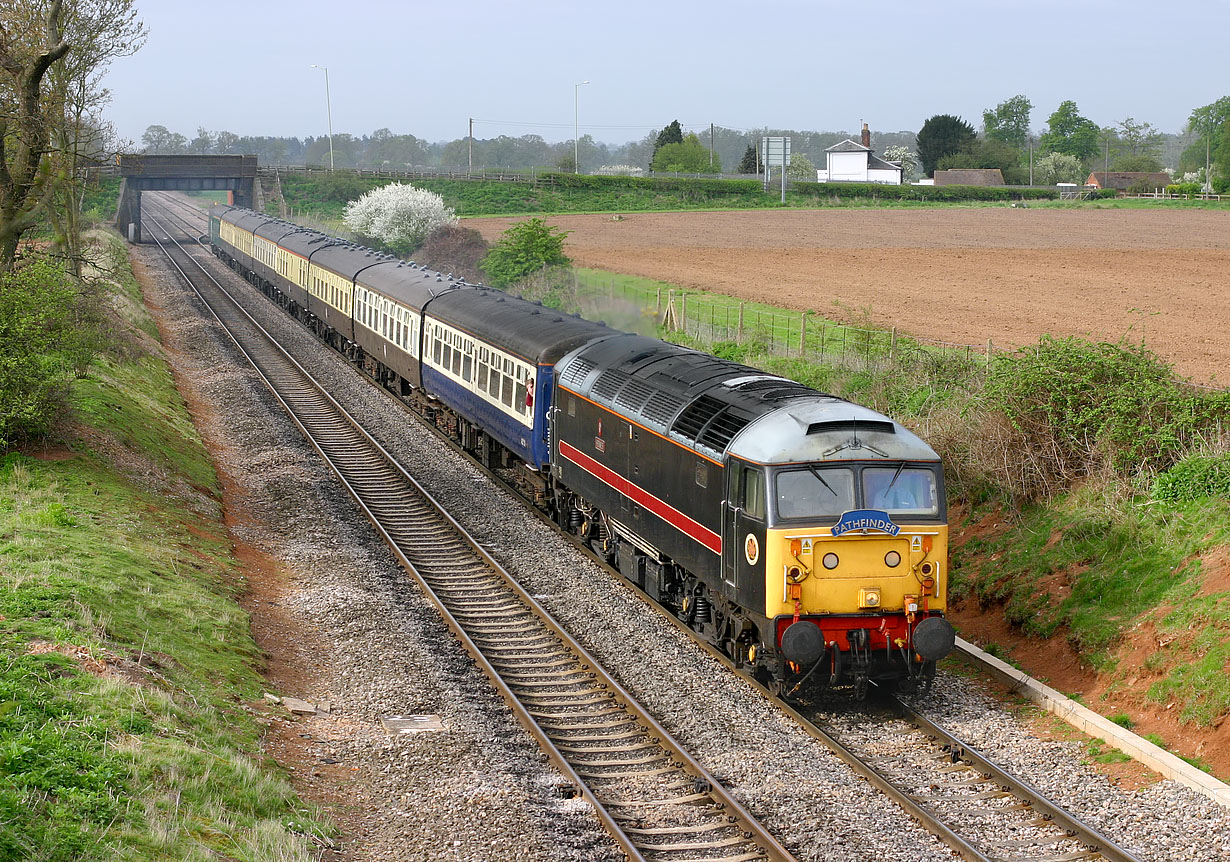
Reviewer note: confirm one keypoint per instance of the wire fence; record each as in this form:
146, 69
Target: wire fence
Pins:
713, 319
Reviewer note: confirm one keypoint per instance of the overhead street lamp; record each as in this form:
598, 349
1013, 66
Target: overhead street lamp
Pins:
576, 127
329, 108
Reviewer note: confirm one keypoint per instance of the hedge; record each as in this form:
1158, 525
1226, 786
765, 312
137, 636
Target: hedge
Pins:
923, 193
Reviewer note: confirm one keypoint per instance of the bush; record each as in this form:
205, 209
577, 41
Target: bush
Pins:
398, 217
455, 249
1183, 189
525, 248
1194, 478
45, 340
1076, 407
1221, 185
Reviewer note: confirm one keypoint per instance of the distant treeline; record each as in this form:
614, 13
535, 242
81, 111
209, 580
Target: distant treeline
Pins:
383, 149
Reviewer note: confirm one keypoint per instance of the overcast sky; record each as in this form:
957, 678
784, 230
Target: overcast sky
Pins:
425, 68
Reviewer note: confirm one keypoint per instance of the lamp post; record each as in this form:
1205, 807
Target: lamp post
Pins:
576, 127
329, 109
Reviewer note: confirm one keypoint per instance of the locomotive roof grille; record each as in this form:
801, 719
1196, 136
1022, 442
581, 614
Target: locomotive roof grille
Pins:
662, 407
722, 428
633, 395
709, 422
608, 384
856, 425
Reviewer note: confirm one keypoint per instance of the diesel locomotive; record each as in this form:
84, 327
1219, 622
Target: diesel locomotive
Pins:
803, 535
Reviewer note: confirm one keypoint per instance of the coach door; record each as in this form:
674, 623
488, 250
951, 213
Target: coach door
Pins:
743, 526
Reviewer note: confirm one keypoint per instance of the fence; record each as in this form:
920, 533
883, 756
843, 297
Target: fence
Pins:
715, 319
712, 319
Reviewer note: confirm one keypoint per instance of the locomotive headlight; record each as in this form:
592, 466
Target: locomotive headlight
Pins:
892, 559
830, 560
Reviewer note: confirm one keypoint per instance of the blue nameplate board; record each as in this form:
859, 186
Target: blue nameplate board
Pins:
866, 519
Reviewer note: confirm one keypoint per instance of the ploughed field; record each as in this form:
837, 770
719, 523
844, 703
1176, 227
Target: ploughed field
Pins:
958, 275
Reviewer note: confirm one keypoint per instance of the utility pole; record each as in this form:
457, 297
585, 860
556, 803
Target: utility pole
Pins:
1031, 160
711, 148
470, 169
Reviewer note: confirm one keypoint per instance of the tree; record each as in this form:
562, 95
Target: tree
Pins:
1068, 132
1051, 168
99, 31
750, 164
1008, 122
940, 136
43, 345
525, 248
905, 157
25, 128
801, 168
1208, 121
398, 216
672, 134
688, 156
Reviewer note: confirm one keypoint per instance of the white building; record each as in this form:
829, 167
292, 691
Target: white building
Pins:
850, 162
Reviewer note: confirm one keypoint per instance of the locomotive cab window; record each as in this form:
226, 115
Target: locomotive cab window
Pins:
815, 492
747, 489
901, 490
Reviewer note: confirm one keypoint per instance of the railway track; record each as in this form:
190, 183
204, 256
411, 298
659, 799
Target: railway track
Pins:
656, 800
977, 808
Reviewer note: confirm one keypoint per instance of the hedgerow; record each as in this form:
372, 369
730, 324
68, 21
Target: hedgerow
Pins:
1077, 407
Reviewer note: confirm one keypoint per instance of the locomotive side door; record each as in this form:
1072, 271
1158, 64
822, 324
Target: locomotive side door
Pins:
743, 527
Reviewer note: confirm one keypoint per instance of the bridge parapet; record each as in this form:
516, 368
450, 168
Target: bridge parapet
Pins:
142, 172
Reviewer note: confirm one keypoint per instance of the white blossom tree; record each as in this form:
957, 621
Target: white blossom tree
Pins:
398, 216
1055, 167
905, 157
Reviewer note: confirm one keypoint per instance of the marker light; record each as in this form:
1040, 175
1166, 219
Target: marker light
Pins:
830, 560
796, 547
892, 559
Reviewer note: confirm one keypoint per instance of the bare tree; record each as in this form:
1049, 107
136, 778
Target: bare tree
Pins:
52, 59
99, 31
25, 129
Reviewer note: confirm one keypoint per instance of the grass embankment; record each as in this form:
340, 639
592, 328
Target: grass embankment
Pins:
128, 667
1103, 479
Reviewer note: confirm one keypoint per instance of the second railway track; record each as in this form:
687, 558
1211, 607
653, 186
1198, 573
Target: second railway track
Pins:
656, 800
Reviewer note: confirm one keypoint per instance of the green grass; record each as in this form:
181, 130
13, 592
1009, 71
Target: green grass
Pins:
114, 551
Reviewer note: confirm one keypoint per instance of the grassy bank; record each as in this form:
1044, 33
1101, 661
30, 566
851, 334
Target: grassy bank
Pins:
128, 728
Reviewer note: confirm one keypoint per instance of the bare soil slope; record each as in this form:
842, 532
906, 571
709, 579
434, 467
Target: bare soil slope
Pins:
960, 275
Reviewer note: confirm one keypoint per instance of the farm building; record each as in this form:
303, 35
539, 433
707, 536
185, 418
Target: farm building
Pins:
1124, 180
850, 162
970, 177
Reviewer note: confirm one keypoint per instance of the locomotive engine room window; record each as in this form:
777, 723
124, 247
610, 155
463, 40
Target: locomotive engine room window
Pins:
702, 474
572, 406
815, 492
901, 490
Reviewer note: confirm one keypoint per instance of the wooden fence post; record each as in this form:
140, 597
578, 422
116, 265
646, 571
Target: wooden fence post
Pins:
683, 313
802, 332
658, 309
892, 346
739, 338
989, 348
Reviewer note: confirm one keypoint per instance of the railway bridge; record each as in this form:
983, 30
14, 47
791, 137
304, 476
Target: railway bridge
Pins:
144, 173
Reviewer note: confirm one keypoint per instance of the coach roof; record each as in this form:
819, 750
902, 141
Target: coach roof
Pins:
411, 285
540, 335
